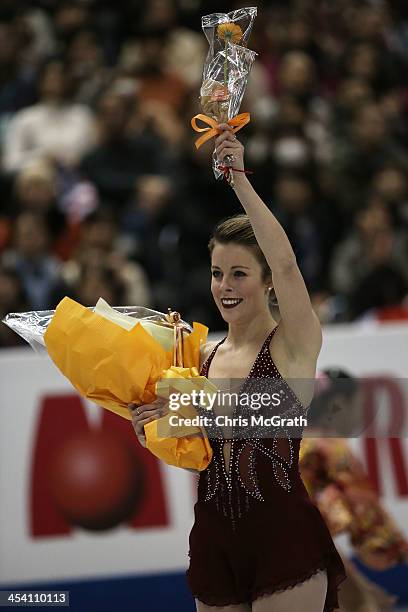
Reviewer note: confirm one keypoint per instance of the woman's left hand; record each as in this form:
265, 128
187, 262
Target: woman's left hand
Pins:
228, 144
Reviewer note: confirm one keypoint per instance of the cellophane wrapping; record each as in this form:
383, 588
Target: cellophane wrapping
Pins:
118, 356
227, 66
31, 326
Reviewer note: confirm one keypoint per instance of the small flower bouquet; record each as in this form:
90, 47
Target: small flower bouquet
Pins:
225, 76
118, 356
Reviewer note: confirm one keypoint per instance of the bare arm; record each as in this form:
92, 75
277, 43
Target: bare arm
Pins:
301, 327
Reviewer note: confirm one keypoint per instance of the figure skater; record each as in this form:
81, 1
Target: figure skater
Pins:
258, 542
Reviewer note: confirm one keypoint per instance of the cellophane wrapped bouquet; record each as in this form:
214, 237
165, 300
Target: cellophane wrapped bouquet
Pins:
225, 76
123, 355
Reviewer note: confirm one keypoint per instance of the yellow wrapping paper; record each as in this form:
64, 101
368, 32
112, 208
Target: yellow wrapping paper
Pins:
194, 453
114, 367
185, 445
107, 364
164, 335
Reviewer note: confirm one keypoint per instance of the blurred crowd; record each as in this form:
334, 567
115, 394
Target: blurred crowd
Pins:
102, 192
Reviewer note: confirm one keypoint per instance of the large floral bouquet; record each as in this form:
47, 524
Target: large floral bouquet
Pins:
118, 356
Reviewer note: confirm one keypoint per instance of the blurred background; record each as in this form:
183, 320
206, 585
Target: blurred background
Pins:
102, 193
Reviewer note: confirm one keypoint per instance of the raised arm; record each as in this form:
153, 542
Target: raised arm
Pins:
301, 327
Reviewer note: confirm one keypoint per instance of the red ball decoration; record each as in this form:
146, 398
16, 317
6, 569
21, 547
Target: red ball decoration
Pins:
96, 480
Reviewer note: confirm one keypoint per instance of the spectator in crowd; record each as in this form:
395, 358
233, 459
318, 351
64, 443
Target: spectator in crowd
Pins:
146, 60
102, 250
114, 164
69, 16
369, 266
296, 208
297, 75
36, 189
89, 73
362, 153
390, 186
352, 94
95, 108
153, 224
161, 18
31, 259
12, 299
55, 127
17, 82
99, 281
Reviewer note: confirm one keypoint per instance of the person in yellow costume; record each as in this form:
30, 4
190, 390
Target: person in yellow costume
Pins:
258, 542
339, 486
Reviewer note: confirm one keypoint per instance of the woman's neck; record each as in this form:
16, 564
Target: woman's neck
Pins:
252, 332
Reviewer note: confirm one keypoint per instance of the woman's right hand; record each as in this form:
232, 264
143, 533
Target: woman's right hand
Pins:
141, 415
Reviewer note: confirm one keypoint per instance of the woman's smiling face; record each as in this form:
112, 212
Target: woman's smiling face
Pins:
236, 284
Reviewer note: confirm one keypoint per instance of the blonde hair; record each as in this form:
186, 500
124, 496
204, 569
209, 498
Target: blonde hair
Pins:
238, 230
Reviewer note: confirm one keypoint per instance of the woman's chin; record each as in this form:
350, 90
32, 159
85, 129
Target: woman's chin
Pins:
226, 315
230, 316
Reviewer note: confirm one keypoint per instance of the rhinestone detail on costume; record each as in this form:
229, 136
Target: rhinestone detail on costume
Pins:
235, 489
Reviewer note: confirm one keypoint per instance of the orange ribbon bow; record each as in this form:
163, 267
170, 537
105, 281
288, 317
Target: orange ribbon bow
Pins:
236, 122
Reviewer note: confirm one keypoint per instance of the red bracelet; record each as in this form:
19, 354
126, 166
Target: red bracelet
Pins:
226, 170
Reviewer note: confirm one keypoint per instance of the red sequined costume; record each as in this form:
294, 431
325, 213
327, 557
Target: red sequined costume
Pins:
256, 530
